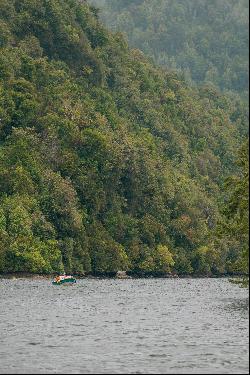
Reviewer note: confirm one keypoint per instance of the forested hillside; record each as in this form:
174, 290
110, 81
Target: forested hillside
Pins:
106, 162
205, 39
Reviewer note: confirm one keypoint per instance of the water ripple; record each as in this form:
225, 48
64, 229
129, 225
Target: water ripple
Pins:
130, 326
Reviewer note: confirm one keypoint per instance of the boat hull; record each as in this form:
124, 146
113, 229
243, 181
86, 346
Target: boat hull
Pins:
65, 281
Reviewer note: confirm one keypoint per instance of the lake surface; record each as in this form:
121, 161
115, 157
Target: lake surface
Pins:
144, 326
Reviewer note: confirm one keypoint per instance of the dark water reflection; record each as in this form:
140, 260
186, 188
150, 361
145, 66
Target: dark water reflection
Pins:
241, 306
124, 326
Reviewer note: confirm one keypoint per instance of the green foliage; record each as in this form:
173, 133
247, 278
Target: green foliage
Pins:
107, 163
163, 259
234, 226
183, 264
205, 40
106, 254
206, 260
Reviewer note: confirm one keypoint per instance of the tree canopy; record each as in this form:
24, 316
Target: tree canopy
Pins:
208, 40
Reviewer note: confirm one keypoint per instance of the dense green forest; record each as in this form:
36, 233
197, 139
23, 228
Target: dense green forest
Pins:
205, 39
234, 223
107, 162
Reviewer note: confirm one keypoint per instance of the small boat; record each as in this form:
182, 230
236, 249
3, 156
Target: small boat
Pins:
58, 280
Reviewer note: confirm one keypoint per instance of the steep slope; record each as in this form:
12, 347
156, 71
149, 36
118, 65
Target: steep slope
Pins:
207, 40
106, 162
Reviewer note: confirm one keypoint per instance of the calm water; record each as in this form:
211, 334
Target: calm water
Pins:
123, 326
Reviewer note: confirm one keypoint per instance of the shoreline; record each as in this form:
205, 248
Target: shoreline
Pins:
131, 276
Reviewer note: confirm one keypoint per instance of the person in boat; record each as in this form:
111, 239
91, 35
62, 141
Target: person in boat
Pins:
57, 279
